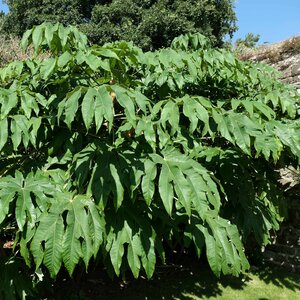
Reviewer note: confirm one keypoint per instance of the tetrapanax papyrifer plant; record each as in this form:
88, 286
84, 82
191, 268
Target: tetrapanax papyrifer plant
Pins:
115, 154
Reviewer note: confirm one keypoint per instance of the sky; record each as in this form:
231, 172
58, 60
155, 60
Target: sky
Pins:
273, 20
3, 7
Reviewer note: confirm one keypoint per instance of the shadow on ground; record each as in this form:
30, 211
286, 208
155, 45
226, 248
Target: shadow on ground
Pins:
170, 282
186, 281
279, 277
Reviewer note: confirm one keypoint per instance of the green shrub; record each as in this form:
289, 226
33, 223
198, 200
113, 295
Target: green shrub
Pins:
112, 154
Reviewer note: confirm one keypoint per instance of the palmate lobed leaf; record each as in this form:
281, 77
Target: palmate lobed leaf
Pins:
79, 225
79, 238
134, 233
50, 231
258, 203
191, 183
133, 253
21, 190
224, 249
97, 104
55, 241
56, 37
3, 132
148, 184
243, 131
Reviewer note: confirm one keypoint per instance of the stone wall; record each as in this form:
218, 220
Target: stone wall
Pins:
285, 250
290, 68
285, 57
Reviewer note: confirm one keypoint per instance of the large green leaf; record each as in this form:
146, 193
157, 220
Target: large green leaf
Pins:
97, 104
103, 108
3, 132
224, 248
71, 105
88, 107
50, 232
117, 250
78, 237
148, 184
24, 191
187, 179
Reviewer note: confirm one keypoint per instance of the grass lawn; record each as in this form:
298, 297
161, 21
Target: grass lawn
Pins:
197, 282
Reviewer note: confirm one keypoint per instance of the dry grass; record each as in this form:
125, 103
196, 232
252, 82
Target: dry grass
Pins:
272, 53
10, 50
291, 46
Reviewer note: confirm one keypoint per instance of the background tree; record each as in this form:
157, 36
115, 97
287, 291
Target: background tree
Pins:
2, 17
150, 24
250, 41
24, 14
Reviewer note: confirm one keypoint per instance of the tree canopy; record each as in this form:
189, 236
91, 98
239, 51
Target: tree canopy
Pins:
150, 24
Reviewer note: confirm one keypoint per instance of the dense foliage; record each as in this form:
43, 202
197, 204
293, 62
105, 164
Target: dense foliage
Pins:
112, 154
150, 24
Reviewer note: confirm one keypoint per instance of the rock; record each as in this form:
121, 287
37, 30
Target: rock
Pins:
283, 56
285, 252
